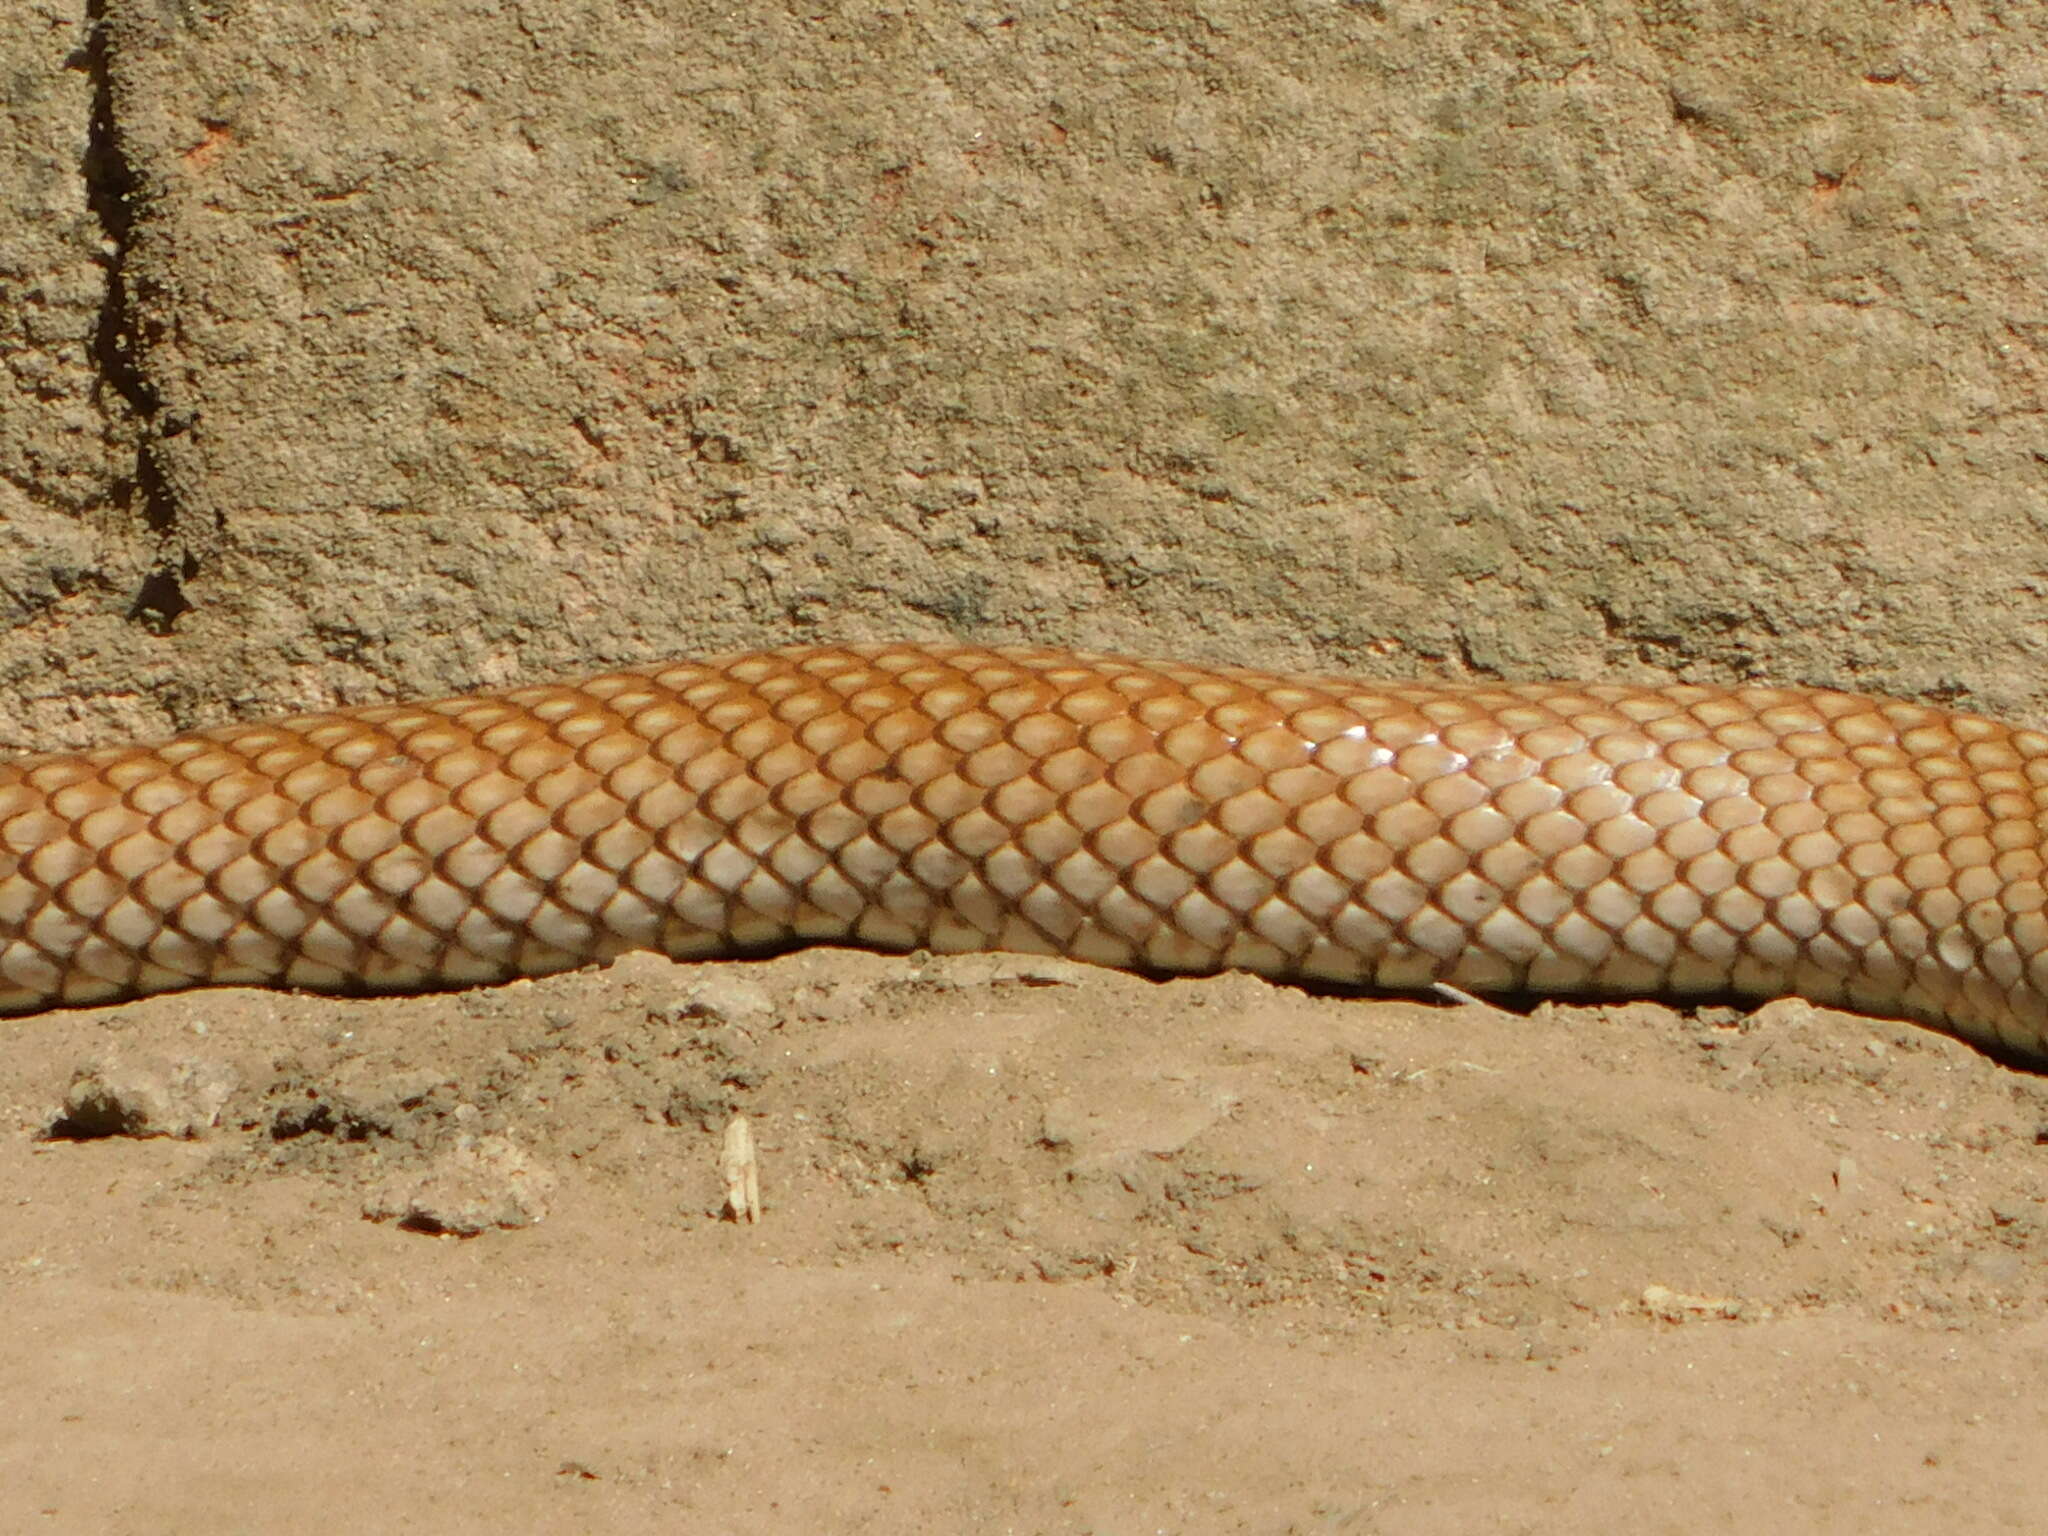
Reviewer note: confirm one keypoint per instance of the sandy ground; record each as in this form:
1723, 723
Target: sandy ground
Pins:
1043, 1249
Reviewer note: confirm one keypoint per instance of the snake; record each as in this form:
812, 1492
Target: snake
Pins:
1552, 839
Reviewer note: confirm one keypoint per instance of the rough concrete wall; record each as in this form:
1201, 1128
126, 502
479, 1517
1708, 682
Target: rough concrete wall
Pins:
72, 537
487, 340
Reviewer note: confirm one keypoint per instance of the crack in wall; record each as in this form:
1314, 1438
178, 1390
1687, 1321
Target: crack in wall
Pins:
112, 188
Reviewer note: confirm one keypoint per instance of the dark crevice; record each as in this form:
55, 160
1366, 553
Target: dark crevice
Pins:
160, 601
96, 1119
112, 191
110, 185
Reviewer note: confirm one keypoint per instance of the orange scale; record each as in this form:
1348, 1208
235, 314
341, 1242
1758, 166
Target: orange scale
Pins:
1576, 771
1043, 734
1551, 741
1452, 794
1932, 740
1170, 808
970, 730
1068, 770
1973, 884
1325, 818
1405, 823
1399, 730
134, 856
1739, 731
873, 703
1145, 773
1020, 700
946, 794
705, 770
396, 871
922, 761
1435, 860
1201, 848
1601, 725
794, 703
824, 733
1083, 877
1089, 706
362, 839
617, 846
1162, 712
1320, 722
898, 729
1135, 682
1250, 813
1116, 738
1094, 805
207, 767
1508, 863
1220, 778
186, 819
996, 764
478, 797
1598, 804
1503, 769
255, 816
1791, 719
840, 669
1212, 692
1022, 801
1796, 819
1644, 706
1123, 842
1479, 828
1948, 794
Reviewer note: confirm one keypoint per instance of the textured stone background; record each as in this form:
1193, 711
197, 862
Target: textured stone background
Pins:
358, 349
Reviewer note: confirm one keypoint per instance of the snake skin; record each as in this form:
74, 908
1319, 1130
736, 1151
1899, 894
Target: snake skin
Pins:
1551, 838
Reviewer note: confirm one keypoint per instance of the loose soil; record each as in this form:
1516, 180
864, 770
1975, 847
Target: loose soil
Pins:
1044, 1248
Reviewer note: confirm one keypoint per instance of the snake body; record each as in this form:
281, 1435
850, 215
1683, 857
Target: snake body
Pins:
1552, 838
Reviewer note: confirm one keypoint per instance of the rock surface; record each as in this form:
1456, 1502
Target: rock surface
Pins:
472, 345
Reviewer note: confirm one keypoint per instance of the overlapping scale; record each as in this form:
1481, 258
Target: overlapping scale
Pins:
1557, 838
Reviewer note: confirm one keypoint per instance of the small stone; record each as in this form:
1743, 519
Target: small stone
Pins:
477, 1183
1670, 1306
718, 999
739, 1165
145, 1097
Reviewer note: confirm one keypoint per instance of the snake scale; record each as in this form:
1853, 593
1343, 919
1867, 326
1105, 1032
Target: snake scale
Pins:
1552, 838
